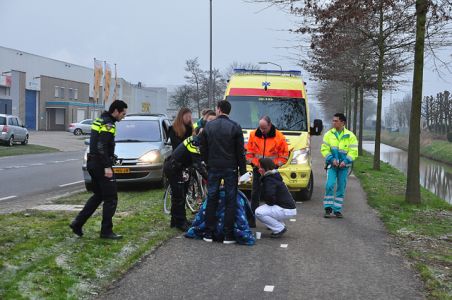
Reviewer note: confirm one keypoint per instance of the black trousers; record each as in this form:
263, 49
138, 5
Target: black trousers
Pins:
230, 178
105, 190
256, 192
178, 192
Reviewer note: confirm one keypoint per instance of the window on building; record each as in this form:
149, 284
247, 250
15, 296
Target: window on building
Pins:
5, 91
70, 93
61, 92
57, 91
75, 94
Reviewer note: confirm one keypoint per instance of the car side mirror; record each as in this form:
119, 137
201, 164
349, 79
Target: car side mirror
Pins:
317, 128
87, 142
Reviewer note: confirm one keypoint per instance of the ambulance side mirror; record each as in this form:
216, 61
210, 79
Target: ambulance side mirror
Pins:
317, 128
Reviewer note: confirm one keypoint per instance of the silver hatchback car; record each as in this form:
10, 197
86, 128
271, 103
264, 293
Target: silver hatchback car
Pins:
82, 127
12, 130
141, 148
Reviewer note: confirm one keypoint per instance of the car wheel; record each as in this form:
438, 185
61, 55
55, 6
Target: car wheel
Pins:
10, 142
89, 186
77, 131
25, 141
306, 194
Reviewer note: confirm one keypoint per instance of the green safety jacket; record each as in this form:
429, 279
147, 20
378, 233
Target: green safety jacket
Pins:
342, 146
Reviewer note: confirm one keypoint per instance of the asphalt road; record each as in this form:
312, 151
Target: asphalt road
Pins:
349, 258
27, 180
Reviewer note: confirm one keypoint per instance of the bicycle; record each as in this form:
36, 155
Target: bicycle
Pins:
196, 191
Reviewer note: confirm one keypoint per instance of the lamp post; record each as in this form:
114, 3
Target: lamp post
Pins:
209, 97
269, 63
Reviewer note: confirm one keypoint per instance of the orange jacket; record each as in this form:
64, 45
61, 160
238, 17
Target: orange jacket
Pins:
272, 146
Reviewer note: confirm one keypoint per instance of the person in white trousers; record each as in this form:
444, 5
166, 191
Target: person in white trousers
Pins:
279, 203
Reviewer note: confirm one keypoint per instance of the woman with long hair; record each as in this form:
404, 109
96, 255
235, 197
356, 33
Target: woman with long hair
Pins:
181, 129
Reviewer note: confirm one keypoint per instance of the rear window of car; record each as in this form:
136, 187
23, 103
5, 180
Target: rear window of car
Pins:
138, 131
2, 120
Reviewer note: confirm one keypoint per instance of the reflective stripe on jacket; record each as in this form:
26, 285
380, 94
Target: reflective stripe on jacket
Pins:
273, 146
102, 140
342, 146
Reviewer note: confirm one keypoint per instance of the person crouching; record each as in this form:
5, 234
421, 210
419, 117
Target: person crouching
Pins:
279, 203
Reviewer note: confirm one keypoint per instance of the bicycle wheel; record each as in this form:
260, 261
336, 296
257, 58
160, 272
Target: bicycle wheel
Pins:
167, 200
194, 195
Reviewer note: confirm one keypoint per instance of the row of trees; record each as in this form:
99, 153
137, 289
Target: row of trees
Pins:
194, 93
365, 45
437, 113
398, 114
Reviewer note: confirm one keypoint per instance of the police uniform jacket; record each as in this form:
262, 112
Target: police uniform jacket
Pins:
102, 140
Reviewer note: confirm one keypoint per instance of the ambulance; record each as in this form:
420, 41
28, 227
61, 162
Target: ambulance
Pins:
282, 96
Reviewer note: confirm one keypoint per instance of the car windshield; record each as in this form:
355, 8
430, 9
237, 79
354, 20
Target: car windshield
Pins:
285, 113
138, 131
2, 121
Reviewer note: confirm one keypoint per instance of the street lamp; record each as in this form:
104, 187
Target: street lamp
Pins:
270, 63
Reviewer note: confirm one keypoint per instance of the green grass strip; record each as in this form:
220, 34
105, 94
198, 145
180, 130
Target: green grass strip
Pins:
18, 149
41, 258
424, 230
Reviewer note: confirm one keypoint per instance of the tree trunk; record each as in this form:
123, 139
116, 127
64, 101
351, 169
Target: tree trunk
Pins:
355, 110
349, 106
381, 54
361, 119
413, 192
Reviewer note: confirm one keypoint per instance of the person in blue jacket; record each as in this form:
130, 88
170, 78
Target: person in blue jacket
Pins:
279, 203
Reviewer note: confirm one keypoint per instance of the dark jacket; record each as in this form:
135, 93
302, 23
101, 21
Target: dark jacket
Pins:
222, 144
182, 158
274, 191
175, 140
102, 140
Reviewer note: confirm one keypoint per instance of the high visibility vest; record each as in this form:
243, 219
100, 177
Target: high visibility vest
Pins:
274, 147
342, 146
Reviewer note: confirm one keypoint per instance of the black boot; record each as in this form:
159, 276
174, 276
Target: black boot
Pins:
76, 229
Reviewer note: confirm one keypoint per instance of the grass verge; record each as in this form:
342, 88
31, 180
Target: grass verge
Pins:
41, 258
422, 231
24, 149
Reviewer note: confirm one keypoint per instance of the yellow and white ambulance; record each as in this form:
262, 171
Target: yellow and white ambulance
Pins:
282, 96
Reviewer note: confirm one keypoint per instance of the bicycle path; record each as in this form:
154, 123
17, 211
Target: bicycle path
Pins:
349, 258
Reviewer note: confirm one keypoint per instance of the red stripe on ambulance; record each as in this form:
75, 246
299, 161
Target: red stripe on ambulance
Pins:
268, 93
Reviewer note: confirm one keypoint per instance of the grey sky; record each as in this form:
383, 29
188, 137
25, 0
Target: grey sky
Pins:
150, 40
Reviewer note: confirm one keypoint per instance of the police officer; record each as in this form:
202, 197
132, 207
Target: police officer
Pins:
185, 155
101, 158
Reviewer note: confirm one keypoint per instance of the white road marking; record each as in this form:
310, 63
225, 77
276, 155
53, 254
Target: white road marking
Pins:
269, 288
37, 164
72, 183
6, 198
293, 220
284, 245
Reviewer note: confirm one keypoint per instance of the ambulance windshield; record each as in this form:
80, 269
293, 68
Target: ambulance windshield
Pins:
285, 113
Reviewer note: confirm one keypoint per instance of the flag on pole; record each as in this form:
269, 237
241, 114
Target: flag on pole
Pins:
115, 92
107, 83
98, 71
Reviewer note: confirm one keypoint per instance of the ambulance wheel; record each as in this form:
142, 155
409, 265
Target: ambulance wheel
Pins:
306, 194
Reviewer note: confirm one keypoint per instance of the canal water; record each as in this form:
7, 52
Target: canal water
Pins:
434, 176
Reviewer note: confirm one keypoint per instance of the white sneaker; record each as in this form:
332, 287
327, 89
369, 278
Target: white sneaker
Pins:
229, 242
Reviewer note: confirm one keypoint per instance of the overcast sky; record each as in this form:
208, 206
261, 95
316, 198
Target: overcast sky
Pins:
150, 40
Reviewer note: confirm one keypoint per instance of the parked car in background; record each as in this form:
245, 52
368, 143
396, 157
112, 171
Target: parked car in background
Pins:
142, 146
82, 127
12, 130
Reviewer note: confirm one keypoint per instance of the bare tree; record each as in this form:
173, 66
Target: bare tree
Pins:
195, 77
183, 97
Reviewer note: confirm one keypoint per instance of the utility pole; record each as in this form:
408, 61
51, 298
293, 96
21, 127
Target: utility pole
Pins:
210, 100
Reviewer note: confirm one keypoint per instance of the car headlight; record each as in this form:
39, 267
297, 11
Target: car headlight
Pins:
300, 156
149, 157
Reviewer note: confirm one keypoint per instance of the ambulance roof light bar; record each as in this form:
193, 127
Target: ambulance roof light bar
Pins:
267, 72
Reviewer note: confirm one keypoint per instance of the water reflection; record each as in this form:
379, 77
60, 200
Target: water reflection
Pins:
434, 176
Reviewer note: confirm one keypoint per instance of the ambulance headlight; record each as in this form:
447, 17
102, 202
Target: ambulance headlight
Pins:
149, 157
300, 156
